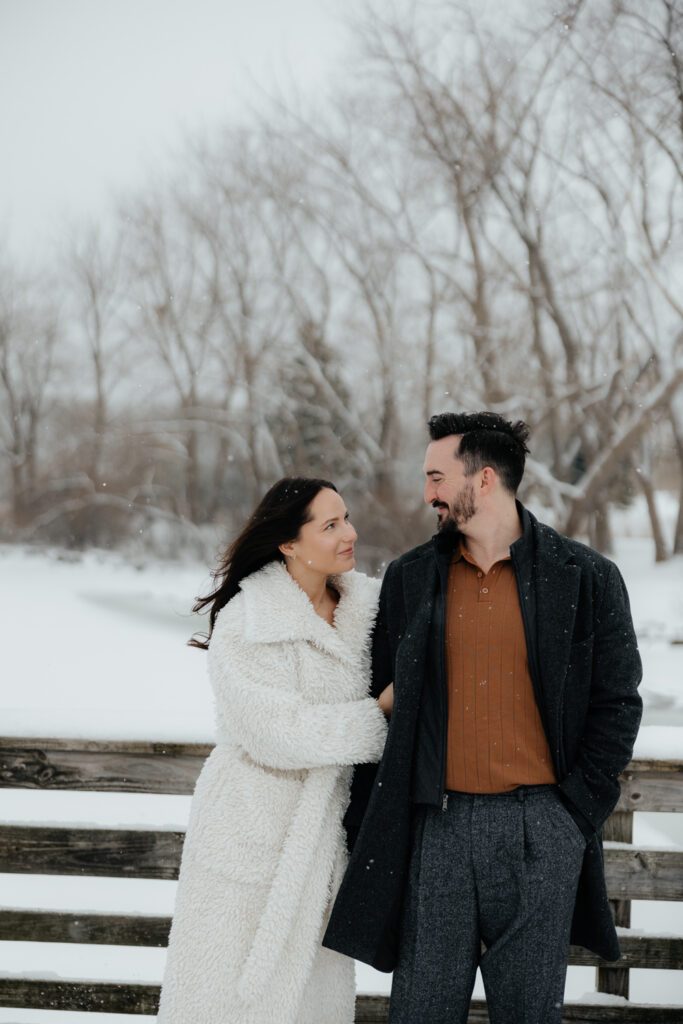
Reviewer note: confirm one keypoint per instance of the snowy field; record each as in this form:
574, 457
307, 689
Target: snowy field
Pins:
95, 648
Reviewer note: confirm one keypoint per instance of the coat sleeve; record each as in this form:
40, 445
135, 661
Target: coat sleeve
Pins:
614, 711
280, 729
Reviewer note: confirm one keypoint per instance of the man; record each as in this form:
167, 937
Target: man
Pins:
515, 671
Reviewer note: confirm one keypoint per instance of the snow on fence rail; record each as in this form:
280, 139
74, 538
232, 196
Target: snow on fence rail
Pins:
159, 768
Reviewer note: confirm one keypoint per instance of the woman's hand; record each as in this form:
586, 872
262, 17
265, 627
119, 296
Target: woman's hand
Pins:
386, 699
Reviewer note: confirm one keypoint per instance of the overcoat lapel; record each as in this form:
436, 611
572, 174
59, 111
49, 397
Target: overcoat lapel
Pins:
419, 583
419, 587
557, 584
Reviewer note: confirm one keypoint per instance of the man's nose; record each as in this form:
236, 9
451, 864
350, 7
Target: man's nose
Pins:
430, 492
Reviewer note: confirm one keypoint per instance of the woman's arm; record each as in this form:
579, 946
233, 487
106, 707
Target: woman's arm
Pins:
281, 729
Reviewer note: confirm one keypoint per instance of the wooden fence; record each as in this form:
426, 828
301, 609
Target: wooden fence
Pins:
130, 767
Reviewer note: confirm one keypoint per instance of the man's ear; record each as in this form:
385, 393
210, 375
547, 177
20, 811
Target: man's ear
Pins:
488, 478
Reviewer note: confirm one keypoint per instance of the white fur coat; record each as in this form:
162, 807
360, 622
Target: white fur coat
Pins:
265, 848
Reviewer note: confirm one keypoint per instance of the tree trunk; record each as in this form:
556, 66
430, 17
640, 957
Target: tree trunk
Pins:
17, 492
99, 432
192, 476
678, 441
219, 471
661, 554
678, 535
601, 530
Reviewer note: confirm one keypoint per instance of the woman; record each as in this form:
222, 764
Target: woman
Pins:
265, 847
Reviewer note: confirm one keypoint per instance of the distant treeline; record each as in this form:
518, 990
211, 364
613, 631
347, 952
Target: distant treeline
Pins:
488, 215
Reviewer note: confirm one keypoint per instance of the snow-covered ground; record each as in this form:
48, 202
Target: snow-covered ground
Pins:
94, 647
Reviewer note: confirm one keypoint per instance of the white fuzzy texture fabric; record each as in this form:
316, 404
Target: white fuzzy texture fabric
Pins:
265, 849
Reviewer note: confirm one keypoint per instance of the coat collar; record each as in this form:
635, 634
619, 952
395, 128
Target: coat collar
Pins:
540, 540
276, 610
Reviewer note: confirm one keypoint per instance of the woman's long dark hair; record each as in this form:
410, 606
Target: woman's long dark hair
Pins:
277, 519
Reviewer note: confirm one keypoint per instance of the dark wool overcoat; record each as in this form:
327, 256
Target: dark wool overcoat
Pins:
585, 668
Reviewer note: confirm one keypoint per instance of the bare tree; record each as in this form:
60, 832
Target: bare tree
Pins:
486, 216
173, 322
29, 329
95, 270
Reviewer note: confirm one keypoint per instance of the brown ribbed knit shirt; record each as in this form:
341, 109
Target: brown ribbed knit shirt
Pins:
495, 738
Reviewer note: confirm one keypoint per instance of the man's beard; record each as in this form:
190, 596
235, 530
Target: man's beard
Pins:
462, 510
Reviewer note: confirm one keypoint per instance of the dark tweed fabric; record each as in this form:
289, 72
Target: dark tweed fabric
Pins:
497, 872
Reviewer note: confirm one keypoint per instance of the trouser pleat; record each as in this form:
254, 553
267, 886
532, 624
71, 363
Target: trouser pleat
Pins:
496, 872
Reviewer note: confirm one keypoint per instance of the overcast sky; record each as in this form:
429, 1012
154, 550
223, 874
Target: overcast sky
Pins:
95, 94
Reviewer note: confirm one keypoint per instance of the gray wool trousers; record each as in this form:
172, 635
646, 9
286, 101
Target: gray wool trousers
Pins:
492, 883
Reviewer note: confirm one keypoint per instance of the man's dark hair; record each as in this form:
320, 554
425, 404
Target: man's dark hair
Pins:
487, 440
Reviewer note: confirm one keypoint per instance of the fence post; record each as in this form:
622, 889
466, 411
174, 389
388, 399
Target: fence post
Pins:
615, 981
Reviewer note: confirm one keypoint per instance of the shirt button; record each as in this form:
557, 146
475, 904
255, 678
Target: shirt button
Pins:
484, 590
480, 574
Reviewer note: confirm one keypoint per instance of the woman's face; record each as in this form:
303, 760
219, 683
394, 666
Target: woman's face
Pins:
325, 542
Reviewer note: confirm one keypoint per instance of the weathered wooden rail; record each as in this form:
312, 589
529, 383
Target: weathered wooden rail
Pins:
152, 768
